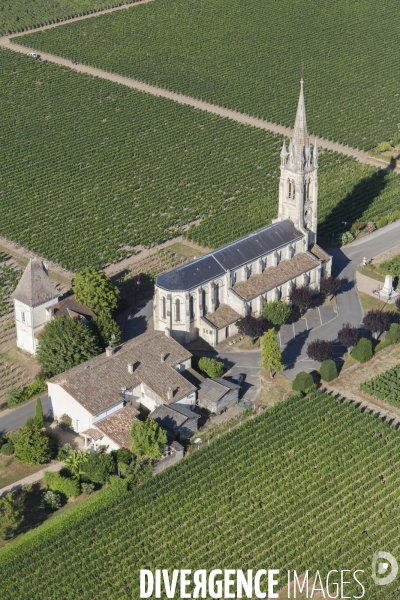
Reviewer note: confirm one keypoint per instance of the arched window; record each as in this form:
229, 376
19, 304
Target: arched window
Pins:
250, 270
191, 307
289, 189
177, 310
204, 301
306, 191
216, 296
294, 190
163, 308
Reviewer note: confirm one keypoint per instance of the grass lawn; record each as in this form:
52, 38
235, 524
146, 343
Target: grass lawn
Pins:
11, 470
370, 303
349, 361
373, 272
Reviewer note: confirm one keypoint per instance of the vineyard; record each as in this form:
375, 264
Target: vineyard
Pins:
9, 277
90, 168
385, 386
20, 15
311, 483
246, 56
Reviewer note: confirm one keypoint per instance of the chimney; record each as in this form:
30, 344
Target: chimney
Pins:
109, 351
170, 394
167, 332
162, 358
130, 368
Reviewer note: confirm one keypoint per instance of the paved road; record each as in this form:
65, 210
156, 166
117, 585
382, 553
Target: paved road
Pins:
136, 321
15, 417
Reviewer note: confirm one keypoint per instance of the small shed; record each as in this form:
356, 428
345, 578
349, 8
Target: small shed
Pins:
218, 394
179, 422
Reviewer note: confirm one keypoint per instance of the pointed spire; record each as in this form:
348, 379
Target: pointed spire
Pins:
300, 136
284, 152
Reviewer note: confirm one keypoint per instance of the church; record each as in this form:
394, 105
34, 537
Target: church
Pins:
206, 297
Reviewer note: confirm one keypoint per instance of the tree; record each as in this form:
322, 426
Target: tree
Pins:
211, 366
363, 350
348, 336
97, 291
10, 516
302, 382
271, 357
65, 343
376, 321
252, 326
328, 370
99, 467
320, 350
76, 461
276, 312
393, 335
39, 420
147, 438
32, 446
330, 285
301, 296
106, 330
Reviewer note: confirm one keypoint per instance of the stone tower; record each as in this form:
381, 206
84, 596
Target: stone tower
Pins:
298, 187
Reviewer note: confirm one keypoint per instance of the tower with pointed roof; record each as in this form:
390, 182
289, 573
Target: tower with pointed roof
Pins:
298, 187
33, 297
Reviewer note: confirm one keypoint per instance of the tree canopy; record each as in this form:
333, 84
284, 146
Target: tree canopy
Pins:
252, 326
330, 285
320, 350
147, 438
301, 296
106, 330
348, 336
96, 290
276, 312
376, 321
271, 357
10, 516
65, 343
211, 366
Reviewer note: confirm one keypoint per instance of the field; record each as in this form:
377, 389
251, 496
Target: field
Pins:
19, 15
91, 168
311, 483
9, 277
249, 55
385, 386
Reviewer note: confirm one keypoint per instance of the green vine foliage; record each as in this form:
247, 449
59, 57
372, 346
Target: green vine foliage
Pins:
259, 500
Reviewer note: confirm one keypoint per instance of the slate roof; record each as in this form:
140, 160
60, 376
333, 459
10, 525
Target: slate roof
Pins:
215, 389
223, 316
34, 287
96, 384
69, 307
172, 417
231, 256
274, 276
118, 425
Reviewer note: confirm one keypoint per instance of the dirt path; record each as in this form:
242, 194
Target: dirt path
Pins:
181, 98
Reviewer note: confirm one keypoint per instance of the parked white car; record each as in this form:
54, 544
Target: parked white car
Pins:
33, 55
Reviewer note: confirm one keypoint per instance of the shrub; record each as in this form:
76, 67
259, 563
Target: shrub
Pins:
54, 442
64, 452
32, 446
345, 238
302, 382
7, 449
384, 147
147, 438
64, 485
330, 285
393, 335
382, 345
328, 370
211, 366
348, 336
319, 350
276, 312
39, 421
10, 516
99, 467
300, 296
363, 350
371, 226
27, 488
51, 500
17, 395
65, 421
87, 488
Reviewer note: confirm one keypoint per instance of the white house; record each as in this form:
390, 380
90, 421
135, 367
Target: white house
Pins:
33, 297
103, 395
206, 297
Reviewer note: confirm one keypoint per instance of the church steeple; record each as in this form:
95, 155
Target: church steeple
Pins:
298, 188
